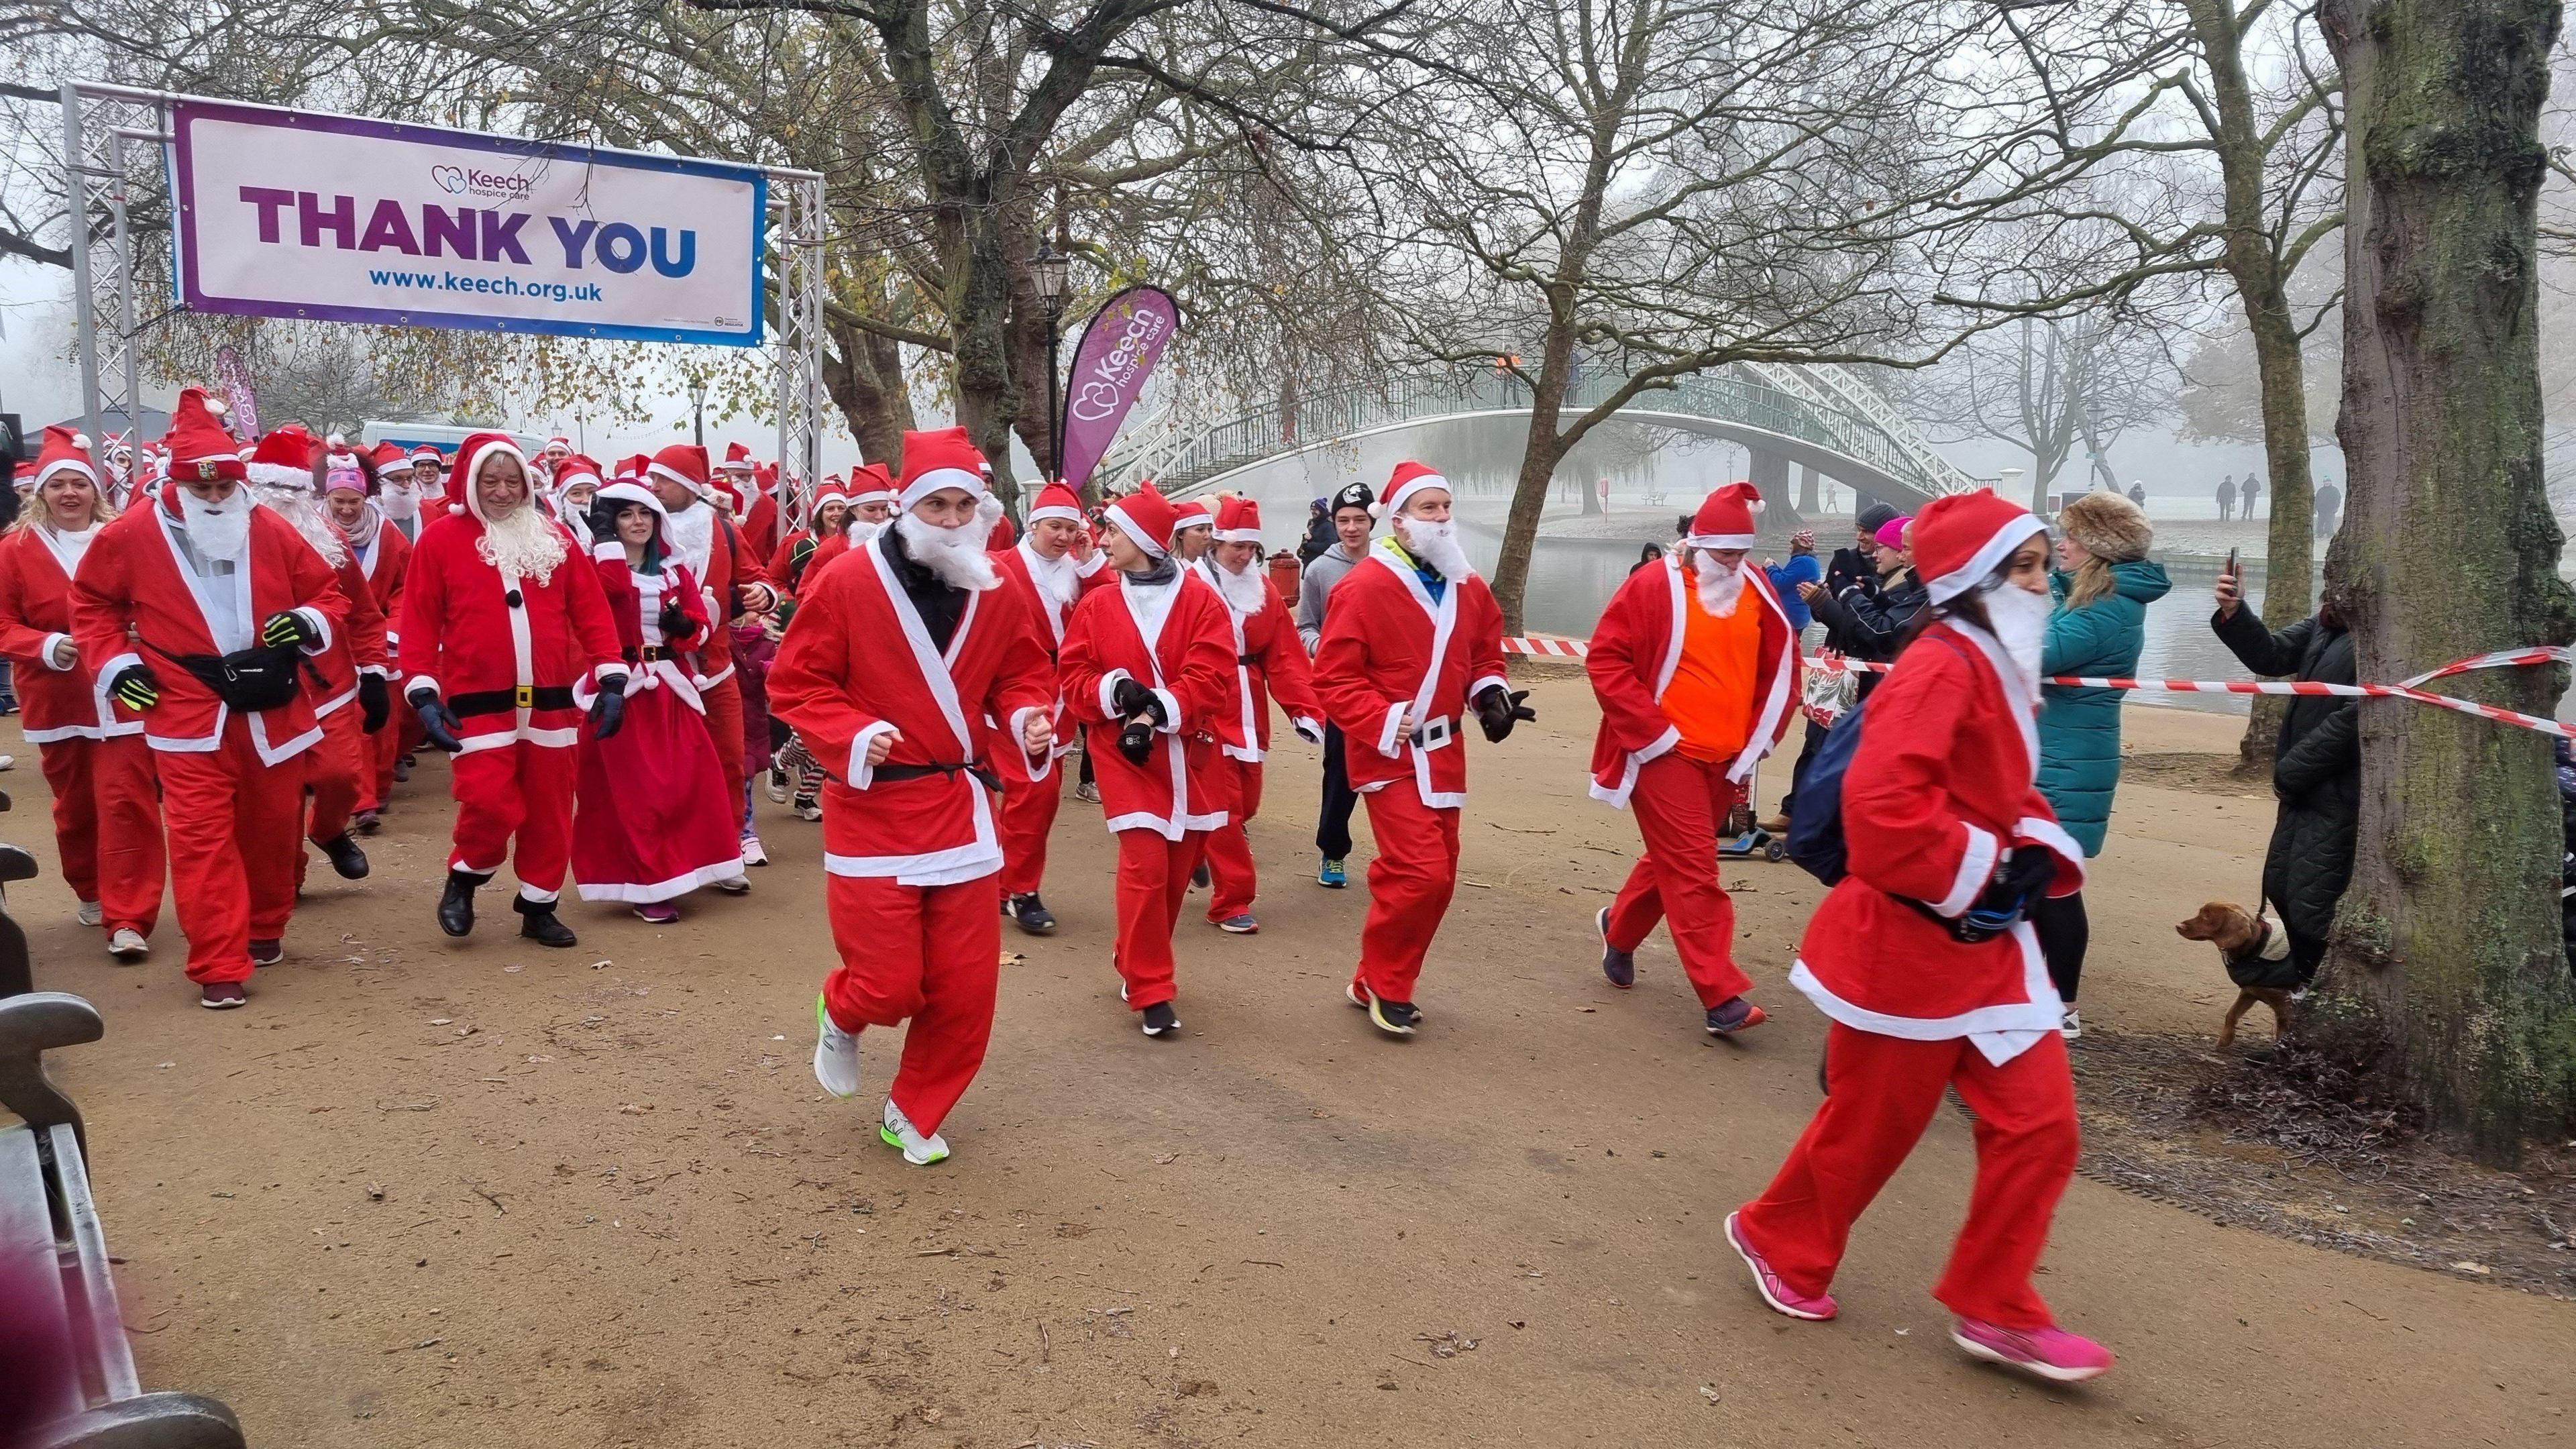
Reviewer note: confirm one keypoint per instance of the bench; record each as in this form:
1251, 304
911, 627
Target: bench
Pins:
75, 1382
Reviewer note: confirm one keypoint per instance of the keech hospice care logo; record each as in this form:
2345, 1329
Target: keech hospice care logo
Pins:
473, 181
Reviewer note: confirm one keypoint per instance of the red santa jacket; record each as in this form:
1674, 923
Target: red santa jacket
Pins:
134, 579
384, 561
504, 653
360, 649
36, 613
635, 605
1269, 663
1174, 641
1636, 648
856, 663
1047, 619
1387, 648
760, 532
1939, 790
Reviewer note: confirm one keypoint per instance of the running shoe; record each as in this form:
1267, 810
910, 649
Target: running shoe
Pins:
91, 913
1029, 914
918, 1150
777, 782
1620, 966
1331, 875
836, 1054
221, 995
2071, 1025
2050, 1353
267, 953
1161, 1020
659, 913
1814, 1307
127, 945
1087, 792
752, 852
1734, 1014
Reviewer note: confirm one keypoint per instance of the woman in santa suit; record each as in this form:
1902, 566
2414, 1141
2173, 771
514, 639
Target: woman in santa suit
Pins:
107, 817
1924, 959
652, 821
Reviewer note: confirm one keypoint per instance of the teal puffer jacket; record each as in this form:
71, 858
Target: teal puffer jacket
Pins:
2079, 729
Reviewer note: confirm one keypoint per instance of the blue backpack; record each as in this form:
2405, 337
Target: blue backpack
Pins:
1816, 819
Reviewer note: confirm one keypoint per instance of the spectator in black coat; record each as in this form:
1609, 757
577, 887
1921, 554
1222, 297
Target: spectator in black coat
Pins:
2316, 766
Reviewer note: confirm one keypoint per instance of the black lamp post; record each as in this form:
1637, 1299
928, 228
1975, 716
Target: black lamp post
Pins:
1047, 274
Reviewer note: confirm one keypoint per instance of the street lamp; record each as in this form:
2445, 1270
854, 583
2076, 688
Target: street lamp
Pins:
1047, 274
698, 400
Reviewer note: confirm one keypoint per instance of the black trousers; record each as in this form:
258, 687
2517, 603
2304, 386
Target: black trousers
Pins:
1806, 752
2063, 934
1333, 824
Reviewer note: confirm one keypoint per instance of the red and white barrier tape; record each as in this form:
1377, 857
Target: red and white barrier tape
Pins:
2502, 658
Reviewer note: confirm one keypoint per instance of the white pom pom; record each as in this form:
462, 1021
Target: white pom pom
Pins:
81, 441
1378, 511
335, 442
1756, 506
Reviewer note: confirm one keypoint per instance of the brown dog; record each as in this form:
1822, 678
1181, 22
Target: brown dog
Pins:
2256, 955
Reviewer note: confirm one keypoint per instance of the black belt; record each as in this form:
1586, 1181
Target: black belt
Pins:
652, 654
494, 701
1254, 660
986, 777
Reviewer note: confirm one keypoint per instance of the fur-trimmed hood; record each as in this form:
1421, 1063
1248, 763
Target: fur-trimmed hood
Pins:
2109, 526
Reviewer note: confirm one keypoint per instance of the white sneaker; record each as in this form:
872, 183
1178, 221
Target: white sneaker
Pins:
738, 884
918, 1150
752, 854
809, 811
128, 945
777, 781
7, 761
836, 1055
91, 913
2071, 1025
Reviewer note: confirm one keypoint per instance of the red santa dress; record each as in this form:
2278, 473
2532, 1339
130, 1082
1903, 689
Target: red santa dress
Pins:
705, 541
1269, 663
652, 821
911, 849
1939, 792
503, 651
1388, 648
1661, 751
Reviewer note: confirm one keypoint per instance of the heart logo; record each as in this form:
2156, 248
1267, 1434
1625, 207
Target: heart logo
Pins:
450, 178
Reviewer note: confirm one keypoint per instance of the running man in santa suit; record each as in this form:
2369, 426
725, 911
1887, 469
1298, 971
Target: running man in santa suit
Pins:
1269, 662
174, 600
1696, 667
107, 812
705, 541
1925, 961
1042, 571
893, 662
384, 557
1148, 667
500, 616
1412, 639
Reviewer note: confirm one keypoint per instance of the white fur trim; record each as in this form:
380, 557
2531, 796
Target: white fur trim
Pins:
1390, 736
969, 483
1637, 760
1976, 867
655, 892
1238, 535
2053, 835
1999, 1033
1069, 515
1394, 502
1722, 540
52, 641
1153, 547
1171, 711
860, 773
1985, 560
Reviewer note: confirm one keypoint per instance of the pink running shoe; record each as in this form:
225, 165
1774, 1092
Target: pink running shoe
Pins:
1781, 1297
2049, 1353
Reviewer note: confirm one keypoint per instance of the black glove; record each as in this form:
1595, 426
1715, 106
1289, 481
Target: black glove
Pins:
1136, 742
438, 724
2023, 879
375, 702
602, 521
287, 628
1130, 699
608, 712
136, 686
1498, 709
675, 620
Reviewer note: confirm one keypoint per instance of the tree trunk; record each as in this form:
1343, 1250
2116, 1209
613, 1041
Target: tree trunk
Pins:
2289, 564
1538, 466
864, 375
2447, 944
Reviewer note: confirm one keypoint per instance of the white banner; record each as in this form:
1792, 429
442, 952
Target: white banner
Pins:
292, 214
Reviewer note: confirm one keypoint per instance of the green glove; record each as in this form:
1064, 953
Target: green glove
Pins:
287, 628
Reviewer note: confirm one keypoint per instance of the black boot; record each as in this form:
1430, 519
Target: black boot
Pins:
537, 922
347, 860
456, 906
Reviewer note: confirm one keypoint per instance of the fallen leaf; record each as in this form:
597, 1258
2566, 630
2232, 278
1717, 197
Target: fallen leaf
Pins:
1167, 1159
2480, 1269
1708, 1392
598, 965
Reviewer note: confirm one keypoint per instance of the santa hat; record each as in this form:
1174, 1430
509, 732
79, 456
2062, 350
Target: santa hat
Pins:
558, 444
871, 483
737, 459
682, 463
1960, 538
390, 455
1409, 478
341, 473
630, 467
936, 460
200, 449
767, 476
1147, 517
117, 445
1192, 514
632, 490
283, 459
1726, 518
834, 491
1056, 500
1238, 520
428, 453
470, 457
64, 451
575, 470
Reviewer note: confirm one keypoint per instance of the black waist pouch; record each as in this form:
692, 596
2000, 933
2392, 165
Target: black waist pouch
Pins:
256, 679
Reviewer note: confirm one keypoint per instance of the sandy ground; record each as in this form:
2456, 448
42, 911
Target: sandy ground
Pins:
437, 1194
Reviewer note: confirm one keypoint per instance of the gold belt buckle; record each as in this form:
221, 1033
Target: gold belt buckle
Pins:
527, 696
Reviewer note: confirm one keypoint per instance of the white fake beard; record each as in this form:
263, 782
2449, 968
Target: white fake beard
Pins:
522, 542
1055, 577
955, 555
301, 509
693, 536
865, 530
1721, 586
399, 500
2020, 618
218, 530
1248, 593
1435, 544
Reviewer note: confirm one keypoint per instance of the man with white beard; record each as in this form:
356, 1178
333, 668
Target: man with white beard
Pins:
705, 540
889, 672
1269, 662
1412, 638
1042, 571
1695, 663
499, 618
200, 609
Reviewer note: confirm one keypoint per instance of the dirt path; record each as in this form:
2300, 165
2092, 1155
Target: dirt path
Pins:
615, 1210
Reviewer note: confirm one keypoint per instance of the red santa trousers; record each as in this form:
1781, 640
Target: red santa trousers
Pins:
107, 826
1410, 882
724, 726
235, 836
1153, 880
928, 954
339, 778
520, 790
1028, 814
1882, 1092
1229, 850
1680, 803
